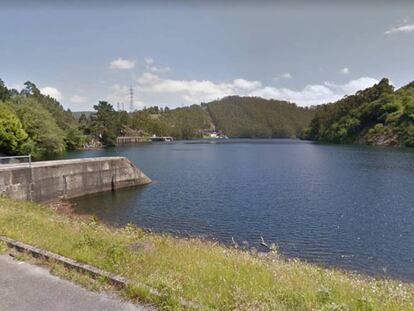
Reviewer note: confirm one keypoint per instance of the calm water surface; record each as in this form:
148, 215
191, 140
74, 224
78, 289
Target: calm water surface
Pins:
345, 206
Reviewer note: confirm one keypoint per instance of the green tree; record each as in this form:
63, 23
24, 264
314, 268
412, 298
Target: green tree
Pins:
4, 92
30, 89
376, 115
104, 123
74, 138
12, 134
41, 127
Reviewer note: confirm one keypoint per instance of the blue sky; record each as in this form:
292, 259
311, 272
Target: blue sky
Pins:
175, 54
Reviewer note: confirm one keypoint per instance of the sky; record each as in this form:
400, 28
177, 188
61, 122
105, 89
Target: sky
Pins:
178, 53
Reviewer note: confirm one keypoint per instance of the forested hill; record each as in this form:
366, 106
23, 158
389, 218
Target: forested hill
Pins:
31, 122
37, 124
237, 117
252, 117
377, 115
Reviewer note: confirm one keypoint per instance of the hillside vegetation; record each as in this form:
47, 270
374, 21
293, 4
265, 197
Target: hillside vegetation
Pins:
377, 115
212, 276
181, 123
33, 123
238, 117
251, 117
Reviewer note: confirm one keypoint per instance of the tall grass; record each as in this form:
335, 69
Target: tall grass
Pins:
212, 276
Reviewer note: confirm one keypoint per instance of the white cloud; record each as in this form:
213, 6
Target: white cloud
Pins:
159, 69
196, 91
192, 91
308, 96
243, 84
16, 86
315, 94
352, 86
149, 65
121, 63
52, 92
149, 61
77, 99
344, 71
286, 75
402, 28
283, 76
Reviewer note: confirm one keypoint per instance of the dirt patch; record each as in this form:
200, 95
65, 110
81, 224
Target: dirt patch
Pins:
61, 206
66, 208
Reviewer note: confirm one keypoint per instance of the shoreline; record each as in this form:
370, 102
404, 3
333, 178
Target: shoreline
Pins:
211, 275
231, 140
67, 208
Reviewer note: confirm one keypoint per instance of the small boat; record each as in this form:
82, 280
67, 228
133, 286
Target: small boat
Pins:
162, 138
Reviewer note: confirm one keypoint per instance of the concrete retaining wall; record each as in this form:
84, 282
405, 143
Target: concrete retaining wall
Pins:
48, 180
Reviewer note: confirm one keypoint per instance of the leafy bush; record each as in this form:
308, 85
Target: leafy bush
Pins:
41, 127
12, 134
33, 123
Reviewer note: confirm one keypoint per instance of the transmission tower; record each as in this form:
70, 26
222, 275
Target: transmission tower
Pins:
131, 99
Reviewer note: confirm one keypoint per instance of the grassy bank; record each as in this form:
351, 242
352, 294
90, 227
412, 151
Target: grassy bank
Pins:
208, 274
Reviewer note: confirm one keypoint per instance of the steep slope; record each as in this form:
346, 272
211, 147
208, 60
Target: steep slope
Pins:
252, 117
187, 122
377, 115
246, 117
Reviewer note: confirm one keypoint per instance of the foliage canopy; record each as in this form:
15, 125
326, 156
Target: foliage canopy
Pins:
377, 115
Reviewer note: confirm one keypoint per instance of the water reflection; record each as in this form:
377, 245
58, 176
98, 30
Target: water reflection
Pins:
346, 206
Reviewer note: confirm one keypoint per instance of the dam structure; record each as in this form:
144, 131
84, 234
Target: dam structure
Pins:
64, 179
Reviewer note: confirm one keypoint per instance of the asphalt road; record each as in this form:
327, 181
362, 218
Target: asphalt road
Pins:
28, 287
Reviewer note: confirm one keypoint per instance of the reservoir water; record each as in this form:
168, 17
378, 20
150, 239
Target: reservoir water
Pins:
345, 206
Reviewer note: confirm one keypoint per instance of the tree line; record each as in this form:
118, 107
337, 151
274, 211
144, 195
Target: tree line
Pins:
37, 124
378, 115
255, 117
32, 123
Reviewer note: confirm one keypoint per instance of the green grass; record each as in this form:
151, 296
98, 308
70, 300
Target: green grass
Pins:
212, 276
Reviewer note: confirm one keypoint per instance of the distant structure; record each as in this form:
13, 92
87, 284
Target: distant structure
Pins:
121, 106
213, 134
131, 99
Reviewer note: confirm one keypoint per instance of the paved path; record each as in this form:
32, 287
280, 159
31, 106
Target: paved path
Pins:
25, 287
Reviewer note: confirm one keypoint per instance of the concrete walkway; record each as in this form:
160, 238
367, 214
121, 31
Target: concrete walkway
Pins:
28, 287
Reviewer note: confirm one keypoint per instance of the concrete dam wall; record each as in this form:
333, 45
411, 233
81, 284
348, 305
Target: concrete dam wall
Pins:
48, 180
